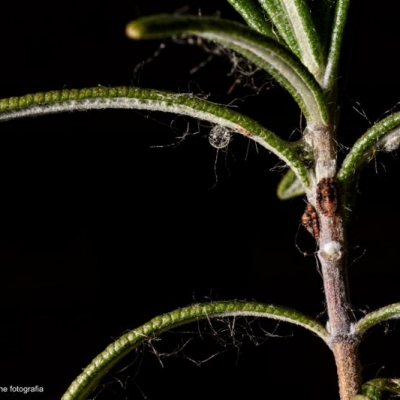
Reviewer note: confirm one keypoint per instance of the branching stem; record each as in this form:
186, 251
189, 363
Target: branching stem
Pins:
332, 255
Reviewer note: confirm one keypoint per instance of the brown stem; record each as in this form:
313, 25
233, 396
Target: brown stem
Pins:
348, 369
344, 343
332, 256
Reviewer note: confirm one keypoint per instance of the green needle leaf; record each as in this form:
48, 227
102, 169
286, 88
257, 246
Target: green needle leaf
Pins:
276, 12
263, 51
251, 12
293, 20
289, 186
373, 318
339, 23
87, 381
383, 136
153, 100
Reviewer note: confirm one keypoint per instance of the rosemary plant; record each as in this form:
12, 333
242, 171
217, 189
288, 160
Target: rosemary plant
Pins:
300, 45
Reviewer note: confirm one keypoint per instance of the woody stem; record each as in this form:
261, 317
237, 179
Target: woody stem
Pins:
332, 255
343, 341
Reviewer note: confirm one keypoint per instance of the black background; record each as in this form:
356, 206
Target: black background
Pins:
88, 198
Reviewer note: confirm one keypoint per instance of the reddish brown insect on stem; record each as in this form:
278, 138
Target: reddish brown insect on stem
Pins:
327, 197
310, 221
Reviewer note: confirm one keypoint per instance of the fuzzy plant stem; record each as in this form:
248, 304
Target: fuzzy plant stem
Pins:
332, 256
343, 340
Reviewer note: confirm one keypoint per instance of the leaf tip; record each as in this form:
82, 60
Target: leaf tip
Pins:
289, 187
134, 31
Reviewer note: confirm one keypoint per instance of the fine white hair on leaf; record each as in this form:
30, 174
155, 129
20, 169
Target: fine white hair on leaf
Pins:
244, 72
390, 142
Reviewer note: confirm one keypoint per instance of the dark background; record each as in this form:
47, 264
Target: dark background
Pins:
88, 198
